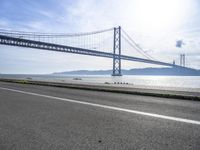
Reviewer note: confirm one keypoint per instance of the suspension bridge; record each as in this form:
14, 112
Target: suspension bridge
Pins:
103, 43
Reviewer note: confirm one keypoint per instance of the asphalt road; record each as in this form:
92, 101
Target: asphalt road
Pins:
50, 118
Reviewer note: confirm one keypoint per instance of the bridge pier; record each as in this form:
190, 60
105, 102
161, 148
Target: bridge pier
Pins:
117, 52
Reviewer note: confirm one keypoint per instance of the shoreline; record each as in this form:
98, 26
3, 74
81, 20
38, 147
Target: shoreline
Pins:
176, 83
182, 95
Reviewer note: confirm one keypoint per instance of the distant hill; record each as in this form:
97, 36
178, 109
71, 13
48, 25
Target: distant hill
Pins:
140, 71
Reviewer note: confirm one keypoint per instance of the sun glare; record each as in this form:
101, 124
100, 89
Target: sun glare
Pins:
161, 15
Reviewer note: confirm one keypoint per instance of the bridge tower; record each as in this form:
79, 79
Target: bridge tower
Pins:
117, 52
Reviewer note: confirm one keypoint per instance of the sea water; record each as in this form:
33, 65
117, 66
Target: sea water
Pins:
154, 81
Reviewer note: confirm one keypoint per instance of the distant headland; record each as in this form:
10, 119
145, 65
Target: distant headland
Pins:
138, 71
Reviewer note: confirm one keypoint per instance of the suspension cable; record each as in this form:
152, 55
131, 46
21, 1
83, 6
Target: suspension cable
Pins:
23, 33
133, 44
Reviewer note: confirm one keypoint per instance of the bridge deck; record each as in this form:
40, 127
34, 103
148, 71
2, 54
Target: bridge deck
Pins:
13, 41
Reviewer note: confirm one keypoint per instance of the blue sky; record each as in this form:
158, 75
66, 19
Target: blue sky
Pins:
154, 24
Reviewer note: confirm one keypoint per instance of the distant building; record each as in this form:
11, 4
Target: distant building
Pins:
182, 60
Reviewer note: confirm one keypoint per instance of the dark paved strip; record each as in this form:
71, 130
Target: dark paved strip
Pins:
163, 106
32, 122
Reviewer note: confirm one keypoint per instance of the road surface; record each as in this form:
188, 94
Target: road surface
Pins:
50, 118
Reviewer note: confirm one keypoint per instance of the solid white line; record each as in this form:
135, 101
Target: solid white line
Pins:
109, 107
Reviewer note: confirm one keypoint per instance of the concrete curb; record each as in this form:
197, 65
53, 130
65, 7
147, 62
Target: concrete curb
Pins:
134, 91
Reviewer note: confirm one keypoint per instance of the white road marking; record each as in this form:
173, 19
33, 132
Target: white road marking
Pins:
109, 107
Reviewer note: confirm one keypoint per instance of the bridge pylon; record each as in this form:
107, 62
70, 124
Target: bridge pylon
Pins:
117, 52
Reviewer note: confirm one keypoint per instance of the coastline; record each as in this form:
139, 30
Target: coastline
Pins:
106, 87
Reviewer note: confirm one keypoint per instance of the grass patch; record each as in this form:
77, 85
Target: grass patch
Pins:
106, 83
22, 81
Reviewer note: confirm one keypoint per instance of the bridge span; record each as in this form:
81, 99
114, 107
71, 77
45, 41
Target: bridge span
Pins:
10, 40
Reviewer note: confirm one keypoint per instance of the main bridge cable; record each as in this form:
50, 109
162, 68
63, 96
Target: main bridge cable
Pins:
136, 46
139, 51
85, 39
133, 44
22, 33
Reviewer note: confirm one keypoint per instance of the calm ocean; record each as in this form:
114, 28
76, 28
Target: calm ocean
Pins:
153, 81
